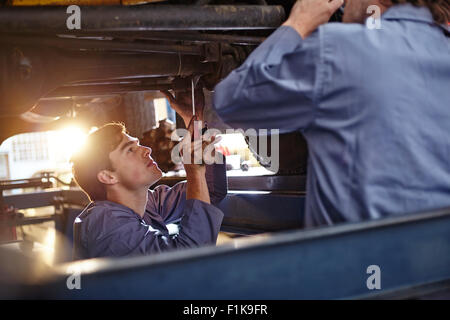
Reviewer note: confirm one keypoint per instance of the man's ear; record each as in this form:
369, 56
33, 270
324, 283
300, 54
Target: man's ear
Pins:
106, 177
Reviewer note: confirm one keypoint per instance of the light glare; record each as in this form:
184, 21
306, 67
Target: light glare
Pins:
67, 141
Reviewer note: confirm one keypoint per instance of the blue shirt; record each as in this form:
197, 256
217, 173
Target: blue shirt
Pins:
373, 105
109, 229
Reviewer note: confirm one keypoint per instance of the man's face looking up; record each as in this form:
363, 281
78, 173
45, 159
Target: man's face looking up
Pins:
133, 166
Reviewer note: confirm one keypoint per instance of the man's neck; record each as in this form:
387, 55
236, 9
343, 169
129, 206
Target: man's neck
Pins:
133, 199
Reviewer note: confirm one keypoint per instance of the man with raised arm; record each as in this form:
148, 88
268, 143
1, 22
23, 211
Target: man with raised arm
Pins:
371, 99
125, 218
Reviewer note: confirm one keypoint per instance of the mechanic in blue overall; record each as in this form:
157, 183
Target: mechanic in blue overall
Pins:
371, 97
125, 218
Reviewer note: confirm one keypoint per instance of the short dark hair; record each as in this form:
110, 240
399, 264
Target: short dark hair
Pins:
440, 9
94, 157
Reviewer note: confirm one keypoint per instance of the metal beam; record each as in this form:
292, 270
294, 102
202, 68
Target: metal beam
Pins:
38, 79
195, 37
98, 90
245, 212
273, 183
138, 18
46, 198
102, 45
26, 221
326, 263
33, 200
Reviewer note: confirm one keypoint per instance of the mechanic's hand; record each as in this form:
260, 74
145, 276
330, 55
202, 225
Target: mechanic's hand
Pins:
307, 15
182, 103
202, 150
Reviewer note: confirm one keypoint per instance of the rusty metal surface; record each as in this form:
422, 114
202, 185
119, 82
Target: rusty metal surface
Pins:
64, 2
138, 18
79, 2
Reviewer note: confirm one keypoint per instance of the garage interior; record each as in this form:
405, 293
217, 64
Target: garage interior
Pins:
112, 69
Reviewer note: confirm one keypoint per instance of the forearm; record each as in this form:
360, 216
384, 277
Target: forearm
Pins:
186, 121
275, 86
216, 179
197, 187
